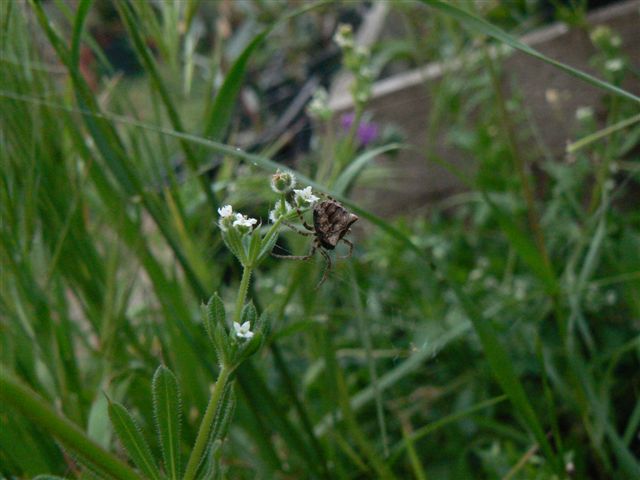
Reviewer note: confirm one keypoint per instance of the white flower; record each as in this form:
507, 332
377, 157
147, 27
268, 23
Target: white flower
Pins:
584, 113
243, 331
305, 197
244, 221
614, 65
225, 211
344, 36
226, 217
319, 105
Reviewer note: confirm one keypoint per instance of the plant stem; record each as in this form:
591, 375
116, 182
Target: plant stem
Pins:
347, 148
242, 293
206, 424
18, 396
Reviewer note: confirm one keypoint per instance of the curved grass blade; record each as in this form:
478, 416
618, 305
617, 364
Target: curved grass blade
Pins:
481, 25
433, 426
81, 16
133, 441
600, 134
167, 414
348, 176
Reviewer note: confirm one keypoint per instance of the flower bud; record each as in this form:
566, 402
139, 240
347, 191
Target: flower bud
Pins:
318, 107
282, 182
344, 36
280, 210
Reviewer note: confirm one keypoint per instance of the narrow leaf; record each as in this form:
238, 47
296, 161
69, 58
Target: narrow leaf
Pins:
214, 315
132, 439
348, 176
249, 314
219, 115
167, 415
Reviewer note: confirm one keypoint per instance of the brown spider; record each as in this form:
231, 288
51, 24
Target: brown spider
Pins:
331, 222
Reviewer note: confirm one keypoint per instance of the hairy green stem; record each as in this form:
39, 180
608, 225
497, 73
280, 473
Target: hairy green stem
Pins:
242, 293
20, 397
207, 422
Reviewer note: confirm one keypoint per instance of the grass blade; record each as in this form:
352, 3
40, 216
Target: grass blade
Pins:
348, 176
218, 117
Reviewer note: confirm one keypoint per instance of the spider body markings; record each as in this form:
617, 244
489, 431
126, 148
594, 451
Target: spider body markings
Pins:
331, 222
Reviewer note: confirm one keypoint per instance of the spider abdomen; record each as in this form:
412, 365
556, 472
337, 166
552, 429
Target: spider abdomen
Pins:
331, 222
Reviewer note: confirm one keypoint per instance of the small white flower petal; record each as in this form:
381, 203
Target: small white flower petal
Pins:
242, 331
225, 211
306, 195
244, 221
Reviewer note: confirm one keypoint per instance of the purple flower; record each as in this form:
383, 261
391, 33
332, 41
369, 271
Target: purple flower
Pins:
367, 131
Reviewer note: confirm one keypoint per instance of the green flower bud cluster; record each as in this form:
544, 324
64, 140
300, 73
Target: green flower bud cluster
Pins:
357, 59
243, 238
610, 58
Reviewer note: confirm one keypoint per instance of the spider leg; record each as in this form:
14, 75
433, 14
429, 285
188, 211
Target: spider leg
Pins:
298, 257
304, 222
326, 268
348, 255
297, 230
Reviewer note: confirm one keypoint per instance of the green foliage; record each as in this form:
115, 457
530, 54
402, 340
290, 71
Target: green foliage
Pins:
167, 411
133, 441
494, 337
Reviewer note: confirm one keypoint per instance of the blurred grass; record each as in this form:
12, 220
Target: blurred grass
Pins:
106, 255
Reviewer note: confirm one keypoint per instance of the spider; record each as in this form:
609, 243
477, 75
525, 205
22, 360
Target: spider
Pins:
331, 222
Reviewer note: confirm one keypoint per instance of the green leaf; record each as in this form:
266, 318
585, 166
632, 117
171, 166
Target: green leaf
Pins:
98, 426
233, 241
214, 315
254, 249
224, 414
482, 26
132, 439
249, 314
83, 10
348, 176
167, 413
268, 241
